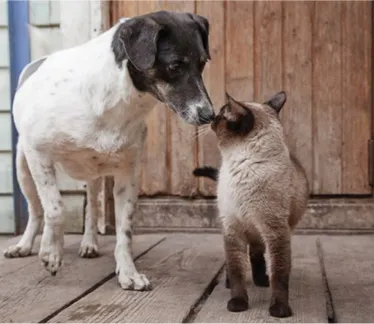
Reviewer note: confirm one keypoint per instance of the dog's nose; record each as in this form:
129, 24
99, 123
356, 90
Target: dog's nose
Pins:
206, 115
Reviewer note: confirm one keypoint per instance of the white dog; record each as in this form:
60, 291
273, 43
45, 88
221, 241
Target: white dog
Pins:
83, 109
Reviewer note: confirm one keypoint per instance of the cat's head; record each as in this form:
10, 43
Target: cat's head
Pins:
238, 120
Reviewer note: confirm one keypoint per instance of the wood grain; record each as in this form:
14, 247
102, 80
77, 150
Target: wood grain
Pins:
41, 294
296, 116
155, 168
307, 295
181, 267
349, 263
356, 95
214, 78
268, 49
239, 45
327, 94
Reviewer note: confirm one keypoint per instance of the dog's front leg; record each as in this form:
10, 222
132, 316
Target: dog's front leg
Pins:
125, 198
43, 173
89, 246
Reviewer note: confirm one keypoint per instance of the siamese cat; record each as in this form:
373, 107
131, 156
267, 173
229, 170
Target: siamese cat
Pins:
262, 193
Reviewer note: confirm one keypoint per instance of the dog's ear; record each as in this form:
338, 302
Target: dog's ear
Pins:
277, 101
203, 25
136, 40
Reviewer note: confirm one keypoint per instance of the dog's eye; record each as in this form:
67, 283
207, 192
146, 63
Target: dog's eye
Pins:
173, 67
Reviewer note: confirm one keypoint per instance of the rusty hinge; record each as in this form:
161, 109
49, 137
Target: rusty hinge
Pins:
371, 162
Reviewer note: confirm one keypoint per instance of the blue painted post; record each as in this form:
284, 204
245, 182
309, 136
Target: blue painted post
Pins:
19, 47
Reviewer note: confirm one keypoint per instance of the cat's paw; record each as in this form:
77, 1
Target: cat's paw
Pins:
237, 304
280, 310
261, 281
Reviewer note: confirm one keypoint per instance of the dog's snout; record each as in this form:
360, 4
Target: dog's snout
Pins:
205, 114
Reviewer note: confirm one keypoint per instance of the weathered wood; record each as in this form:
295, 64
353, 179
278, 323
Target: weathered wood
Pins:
75, 16
41, 294
3, 13
239, 44
327, 94
268, 49
6, 171
5, 132
307, 294
296, 116
331, 214
181, 268
181, 136
7, 224
214, 78
44, 12
356, 95
155, 166
74, 211
4, 90
349, 263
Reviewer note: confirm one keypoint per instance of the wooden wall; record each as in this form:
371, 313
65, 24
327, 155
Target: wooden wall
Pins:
319, 52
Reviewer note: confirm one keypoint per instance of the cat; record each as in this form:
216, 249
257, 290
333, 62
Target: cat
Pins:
262, 193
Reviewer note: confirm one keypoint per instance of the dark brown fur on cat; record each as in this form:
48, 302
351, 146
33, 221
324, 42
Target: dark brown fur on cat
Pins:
262, 193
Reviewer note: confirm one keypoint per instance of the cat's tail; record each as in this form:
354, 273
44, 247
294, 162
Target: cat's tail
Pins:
206, 171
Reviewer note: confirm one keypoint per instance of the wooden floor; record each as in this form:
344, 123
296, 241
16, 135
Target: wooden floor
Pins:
332, 281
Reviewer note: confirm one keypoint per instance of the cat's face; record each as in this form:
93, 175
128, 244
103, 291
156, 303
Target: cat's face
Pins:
237, 120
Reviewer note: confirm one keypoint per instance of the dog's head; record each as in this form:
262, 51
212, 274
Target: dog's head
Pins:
166, 53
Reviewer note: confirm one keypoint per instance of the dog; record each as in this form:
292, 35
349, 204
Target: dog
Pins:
83, 109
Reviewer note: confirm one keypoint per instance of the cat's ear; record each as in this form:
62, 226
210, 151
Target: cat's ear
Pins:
235, 106
277, 101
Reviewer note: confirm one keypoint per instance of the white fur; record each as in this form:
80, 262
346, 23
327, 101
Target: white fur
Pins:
80, 111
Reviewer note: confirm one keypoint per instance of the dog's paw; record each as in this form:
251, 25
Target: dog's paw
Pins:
88, 251
237, 304
17, 251
280, 310
51, 261
135, 281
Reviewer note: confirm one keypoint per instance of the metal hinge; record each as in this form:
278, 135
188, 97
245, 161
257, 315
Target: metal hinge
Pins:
371, 162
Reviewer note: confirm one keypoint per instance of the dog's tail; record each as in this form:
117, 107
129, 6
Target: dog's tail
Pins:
206, 171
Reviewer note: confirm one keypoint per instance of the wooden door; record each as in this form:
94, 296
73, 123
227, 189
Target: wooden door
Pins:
319, 52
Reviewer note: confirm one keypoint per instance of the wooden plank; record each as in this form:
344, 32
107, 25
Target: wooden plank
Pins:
296, 117
74, 212
214, 78
54, 12
5, 132
66, 183
10, 266
6, 173
154, 176
356, 95
41, 294
180, 268
268, 49
349, 263
4, 43
327, 93
44, 41
4, 89
39, 12
7, 224
239, 50
74, 17
3, 13
307, 294
181, 136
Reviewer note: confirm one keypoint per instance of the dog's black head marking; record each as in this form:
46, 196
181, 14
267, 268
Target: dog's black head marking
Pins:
166, 53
